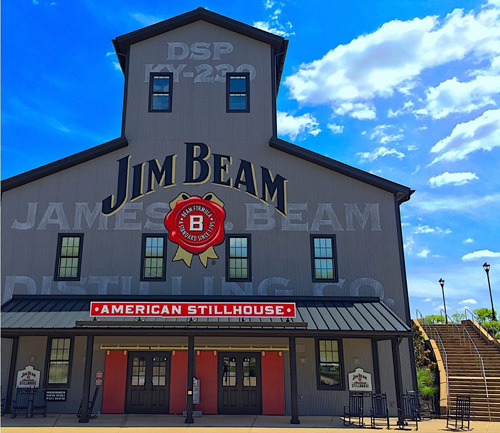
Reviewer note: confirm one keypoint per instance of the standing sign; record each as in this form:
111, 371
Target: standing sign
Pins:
196, 391
28, 378
360, 380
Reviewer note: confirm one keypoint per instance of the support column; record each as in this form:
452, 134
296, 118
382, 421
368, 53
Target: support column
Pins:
190, 376
376, 366
87, 377
396, 360
293, 381
12, 374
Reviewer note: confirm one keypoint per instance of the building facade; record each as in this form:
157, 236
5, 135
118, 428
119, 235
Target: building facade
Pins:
199, 245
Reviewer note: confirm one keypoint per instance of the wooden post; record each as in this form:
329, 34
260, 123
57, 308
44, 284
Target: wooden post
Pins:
293, 381
190, 376
376, 367
87, 376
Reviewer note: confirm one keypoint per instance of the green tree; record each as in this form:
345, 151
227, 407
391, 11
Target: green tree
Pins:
483, 314
458, 317
434, 318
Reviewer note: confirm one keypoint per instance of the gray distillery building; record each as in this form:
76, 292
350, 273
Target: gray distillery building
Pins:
199, 203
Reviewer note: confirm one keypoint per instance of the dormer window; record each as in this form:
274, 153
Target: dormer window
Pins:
160, 92
238, 92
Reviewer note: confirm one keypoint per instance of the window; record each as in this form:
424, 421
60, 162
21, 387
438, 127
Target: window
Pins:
323, 258
238, 258
59, 361
154, 249
330, 374
238, 92
160, 92
69, 257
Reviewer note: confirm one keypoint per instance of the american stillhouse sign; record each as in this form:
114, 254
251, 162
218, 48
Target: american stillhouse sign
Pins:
192, 309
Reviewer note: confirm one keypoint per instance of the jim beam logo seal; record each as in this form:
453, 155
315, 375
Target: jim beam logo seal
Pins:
196, 225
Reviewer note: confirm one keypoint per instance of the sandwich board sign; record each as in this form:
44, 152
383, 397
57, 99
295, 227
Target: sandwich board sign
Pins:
28, 378
360, 380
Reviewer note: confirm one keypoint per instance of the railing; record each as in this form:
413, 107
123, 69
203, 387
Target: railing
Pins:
476, 319
434, 335
481, 364
456, 330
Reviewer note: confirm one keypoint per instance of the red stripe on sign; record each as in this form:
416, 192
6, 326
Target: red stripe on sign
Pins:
192, 309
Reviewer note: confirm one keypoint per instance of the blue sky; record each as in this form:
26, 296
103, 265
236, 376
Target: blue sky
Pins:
405, 89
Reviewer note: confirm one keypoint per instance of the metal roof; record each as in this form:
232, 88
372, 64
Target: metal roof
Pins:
359, 316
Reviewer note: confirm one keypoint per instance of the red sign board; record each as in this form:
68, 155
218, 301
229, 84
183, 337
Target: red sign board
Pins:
192, 309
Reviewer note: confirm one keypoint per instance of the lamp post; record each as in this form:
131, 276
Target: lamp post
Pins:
441, 281
486, 268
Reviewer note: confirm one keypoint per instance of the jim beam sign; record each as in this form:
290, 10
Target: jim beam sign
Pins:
360, 380
28, 378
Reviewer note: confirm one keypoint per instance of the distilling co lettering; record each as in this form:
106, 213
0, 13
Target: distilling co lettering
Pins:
201, 166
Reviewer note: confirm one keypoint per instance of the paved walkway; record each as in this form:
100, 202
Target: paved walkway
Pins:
211, 424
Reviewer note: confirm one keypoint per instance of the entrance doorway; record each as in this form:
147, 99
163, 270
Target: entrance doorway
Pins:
148, 382
239, 379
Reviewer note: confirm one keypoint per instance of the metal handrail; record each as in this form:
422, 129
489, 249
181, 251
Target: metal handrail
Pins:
474, 317
457, 329
482, 370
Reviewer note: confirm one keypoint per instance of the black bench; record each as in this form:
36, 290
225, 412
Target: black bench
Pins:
461, 413
29, 400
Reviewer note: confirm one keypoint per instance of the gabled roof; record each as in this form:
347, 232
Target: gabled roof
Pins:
402, 192
122, 43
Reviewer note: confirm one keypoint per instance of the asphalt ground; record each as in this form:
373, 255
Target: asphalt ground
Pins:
65, 423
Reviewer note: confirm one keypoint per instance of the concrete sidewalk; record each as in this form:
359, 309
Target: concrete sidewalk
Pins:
212, 424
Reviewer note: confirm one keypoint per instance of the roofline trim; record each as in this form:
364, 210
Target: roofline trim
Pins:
63, 164
403, 192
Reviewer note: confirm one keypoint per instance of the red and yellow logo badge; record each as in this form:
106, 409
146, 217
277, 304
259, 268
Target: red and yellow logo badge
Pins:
196, 225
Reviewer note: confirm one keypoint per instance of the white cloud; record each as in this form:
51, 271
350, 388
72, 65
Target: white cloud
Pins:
294, 126
468, 241
456, 179
466, 204
386, 60
412, 148
452, 96
478, 134
480, 255
381, 134
425, 229
336, 129
115, 63
424, 253
146, 20
468, 302
380, 152
427, 299
407, 106
268, 4
358, 111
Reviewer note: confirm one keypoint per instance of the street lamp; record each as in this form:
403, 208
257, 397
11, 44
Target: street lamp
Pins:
441, 281
486, 268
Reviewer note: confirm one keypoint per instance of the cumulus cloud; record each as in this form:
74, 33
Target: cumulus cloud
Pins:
456, 179
478, 134
273, 24
424, 253
452, 96
480, 255
115, 63
468, 241
425, 229
386, 134
298, 125
468, 302
380, 63
357, 111
380, 152
465, 203
406, 108
336, 129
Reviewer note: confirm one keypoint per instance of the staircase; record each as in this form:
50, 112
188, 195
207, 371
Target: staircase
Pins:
465, 353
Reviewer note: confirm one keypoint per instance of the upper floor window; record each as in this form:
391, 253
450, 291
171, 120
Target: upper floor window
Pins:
238, 255
69, 257
59, 361
323, 258
160, 91
154, 251
238, 92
